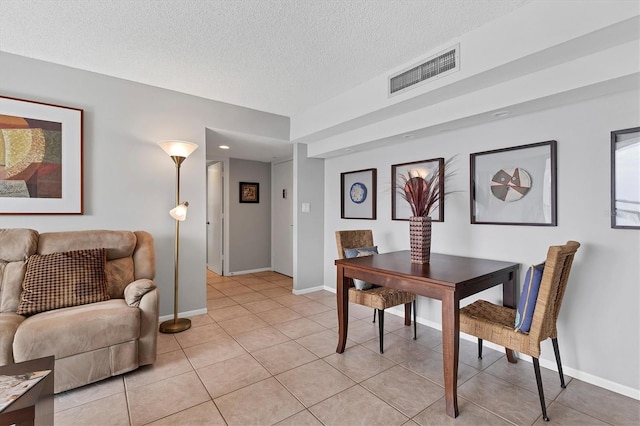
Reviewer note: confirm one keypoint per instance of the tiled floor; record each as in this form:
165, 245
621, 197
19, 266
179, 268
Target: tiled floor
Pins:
263, 356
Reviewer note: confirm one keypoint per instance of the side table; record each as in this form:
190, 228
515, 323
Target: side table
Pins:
35, 406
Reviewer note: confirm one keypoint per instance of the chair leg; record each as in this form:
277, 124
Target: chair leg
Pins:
381, 328
479, 348
557, 352
374, 315
536, 368
415, 322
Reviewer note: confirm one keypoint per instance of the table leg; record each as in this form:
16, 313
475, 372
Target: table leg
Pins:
342, 299
450, 350
509, 300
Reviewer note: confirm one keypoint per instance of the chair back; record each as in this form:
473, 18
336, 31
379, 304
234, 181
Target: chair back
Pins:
552, 287
353, 239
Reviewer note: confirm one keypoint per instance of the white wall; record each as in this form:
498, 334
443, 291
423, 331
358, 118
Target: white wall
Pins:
308, 186
598, 335
249, 237
129, 182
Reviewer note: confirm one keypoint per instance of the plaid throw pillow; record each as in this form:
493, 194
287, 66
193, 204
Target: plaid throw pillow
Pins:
60, 280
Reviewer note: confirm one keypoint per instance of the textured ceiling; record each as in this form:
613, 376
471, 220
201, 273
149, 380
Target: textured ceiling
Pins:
279, 56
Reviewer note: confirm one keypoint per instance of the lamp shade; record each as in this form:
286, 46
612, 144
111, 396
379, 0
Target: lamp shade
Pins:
177, 148
179, 212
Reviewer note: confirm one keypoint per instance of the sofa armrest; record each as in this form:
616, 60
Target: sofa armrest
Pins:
135, 290
143, 294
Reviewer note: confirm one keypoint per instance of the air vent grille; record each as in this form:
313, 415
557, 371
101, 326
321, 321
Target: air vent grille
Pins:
442, 63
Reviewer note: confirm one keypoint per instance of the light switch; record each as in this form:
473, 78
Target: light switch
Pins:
306, 207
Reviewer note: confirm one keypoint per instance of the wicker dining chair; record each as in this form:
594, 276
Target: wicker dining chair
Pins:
378, 298
497, 323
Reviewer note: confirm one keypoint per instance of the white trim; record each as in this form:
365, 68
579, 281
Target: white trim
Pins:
248, 271
184, 314
309, 290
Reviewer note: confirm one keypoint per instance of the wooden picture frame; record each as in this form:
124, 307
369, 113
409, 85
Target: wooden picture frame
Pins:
625, 178
358, 194
249, 192
41, 169
514, 186
400, 209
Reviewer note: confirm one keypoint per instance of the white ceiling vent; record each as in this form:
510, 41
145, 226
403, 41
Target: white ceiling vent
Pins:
437, 66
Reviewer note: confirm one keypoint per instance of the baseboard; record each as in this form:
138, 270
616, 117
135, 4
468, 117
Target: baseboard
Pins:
308, 290
248, 271
184, 314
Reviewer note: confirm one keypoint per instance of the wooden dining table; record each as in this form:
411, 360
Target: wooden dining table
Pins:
447, 278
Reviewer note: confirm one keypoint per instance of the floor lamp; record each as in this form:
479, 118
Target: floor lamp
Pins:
178, 151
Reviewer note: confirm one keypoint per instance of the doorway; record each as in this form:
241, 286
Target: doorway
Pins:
215, 217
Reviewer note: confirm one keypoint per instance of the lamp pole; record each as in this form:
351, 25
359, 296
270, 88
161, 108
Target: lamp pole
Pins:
177, 325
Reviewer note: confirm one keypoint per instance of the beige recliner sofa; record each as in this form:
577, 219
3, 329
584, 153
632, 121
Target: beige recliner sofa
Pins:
90, 342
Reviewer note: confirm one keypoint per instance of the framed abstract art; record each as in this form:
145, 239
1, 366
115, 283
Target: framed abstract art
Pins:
358, 194
40, 158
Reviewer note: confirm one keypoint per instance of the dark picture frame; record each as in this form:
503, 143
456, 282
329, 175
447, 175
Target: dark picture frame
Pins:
358, 197
400, 209
514, 186
625, 178
249, 192
46, 174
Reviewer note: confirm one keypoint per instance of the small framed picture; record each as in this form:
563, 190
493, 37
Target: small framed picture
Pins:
430, 172
358, 194
514, 186
249, 192
625, 178
40, 158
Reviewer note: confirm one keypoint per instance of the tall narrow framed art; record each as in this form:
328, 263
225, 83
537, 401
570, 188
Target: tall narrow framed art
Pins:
625, 178
358, 194
40, 158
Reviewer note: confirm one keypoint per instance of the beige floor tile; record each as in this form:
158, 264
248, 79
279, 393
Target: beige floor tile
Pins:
261, 338
303, 418
263, 403
227, 376
359, 363
394, 322
276, 292
247, 279
522, 374
508, 401
262, 305
236, 291
316, 295
283, 357
166, 343
229, 312
167, 365
164, 398
299, 327
264, 285
220, 303
564, 416
200, 320
314, 382
429, 364
327, 319
113, 408
237, 326
600, 403
396, 348
360, 311
274, 276
469, 415
291, 299
404, 390
224, 285
249, 297
469, 354
363, 331
201, 415
427, 336
323, 343
212, 352
276, 316
213, 293
85, 394
310, 308
356, 406
197, 335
